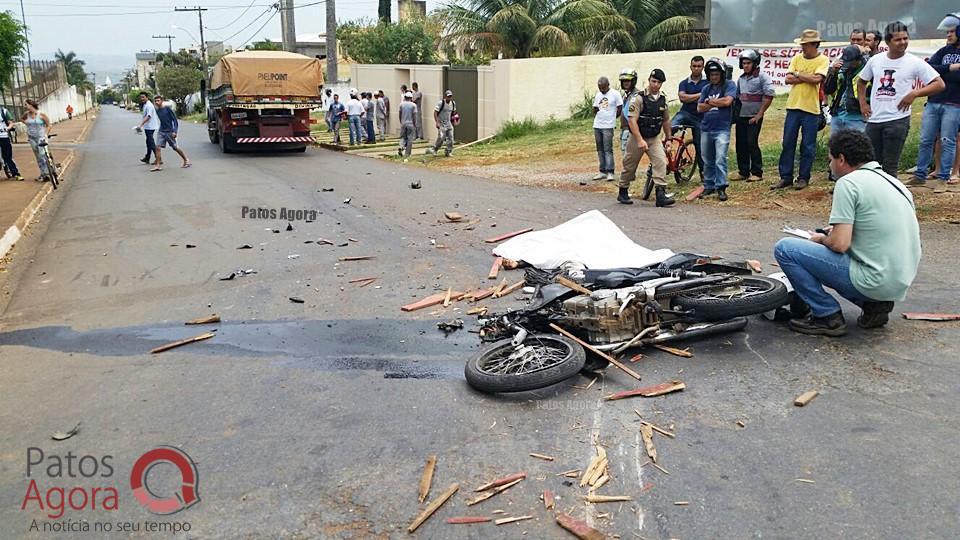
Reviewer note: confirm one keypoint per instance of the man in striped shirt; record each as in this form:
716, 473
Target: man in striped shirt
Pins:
755, 92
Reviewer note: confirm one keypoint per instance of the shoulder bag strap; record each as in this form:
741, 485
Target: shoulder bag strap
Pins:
894, 186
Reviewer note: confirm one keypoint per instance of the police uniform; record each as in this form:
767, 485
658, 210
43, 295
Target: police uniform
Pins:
649, 113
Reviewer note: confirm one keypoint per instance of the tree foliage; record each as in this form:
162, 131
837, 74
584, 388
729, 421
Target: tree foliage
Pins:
663, 24
108, 95
180, 58
407, 42
265, 45
178, 82
13, 38
75, 68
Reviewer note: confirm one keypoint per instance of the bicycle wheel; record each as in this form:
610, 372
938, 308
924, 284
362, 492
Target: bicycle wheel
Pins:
686, 163
52, 168
648, 185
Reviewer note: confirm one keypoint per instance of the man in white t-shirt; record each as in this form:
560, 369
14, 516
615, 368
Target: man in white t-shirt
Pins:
607, 105
894, 75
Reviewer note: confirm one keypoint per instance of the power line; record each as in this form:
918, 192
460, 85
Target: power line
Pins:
259, 29
231, 23
251, 23
109, 14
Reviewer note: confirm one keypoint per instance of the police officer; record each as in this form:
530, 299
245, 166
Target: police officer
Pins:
647, 117
628, 83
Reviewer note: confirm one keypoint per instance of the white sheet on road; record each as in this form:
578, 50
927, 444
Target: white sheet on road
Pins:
590, 239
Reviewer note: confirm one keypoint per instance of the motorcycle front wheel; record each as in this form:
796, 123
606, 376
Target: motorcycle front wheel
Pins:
540, 361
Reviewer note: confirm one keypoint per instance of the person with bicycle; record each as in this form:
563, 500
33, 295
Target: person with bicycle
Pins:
6, 146
755, 92
716, 102
37, 123
647, 117
689, 94
628, 83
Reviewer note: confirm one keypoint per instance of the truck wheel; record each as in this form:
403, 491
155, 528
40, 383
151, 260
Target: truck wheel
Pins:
225, 144
214, 135
301, 149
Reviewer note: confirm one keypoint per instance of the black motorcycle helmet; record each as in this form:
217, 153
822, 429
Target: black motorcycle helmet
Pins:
750, 54
716, 64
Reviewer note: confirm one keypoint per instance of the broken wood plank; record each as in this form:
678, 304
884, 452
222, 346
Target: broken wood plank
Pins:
495, 491
429, 301
936, 317
681, 503
754, 265
205, 320
503, 237
600, 482
504, 521
591, 468
358, 280
548, 500
694, 194
647, 433
495, 269
484, 294
499, 288
446, 299
579, 528
357, 258
501, 481
465, 520
433, 506
607, 498
805, 398
453, 216
574, 472
427, 478
599, 471
541, 456
781, 205
324, 241
477, 311
175, 344
648, 391
678, 352
655, 427
664, 471
367, 282
597, 352
572, 285
510, 289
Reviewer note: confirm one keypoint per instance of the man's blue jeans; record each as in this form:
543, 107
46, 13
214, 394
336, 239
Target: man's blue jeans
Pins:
684, 118
354, 124
943, 121
715, 145
846, 122
604, 140
797, 123
810, 266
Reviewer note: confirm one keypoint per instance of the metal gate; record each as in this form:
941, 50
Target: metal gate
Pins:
462, 80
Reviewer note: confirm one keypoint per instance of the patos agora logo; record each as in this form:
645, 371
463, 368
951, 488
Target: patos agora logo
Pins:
185, 498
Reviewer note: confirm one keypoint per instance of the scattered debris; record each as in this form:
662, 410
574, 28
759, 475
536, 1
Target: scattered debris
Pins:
502, 237
433, 506
578, 528
361, 280
429, 301
465, 520
504, 521
327, 189
740, 423
453, 217
541, 456
655, 427
681, 503
636, 358
191, 246
647, 433
483, 294
781, 205
573, 285
495, 491
62, 436
805, 398
175, 344
245, 246
205, 320
229, 277
648, 391
289, 227
446, 299
755, 265
936, 317
296, 300
347, 200
353, 239
509, 290
607, 498
450, 326
596, 468
694, 194
359, 258
805, 480
477, 311
324, 241
572, 473
597, 352
415, 185
501, 481
427, 478
661, 469
678, 352
495, 269
548, 500
293, 256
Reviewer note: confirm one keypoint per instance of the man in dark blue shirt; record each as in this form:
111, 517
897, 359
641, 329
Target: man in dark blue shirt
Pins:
715, 103
689, 94
167, 134
941, 115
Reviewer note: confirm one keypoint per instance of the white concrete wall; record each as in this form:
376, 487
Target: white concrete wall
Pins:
55, 105
389, 77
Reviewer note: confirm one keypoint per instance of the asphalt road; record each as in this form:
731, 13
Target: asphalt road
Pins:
313, 420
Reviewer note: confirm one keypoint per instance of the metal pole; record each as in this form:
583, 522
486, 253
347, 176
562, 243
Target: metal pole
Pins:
331, 42
23, 19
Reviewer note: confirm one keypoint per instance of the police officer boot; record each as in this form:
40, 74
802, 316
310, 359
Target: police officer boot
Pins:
662, 198
623, 197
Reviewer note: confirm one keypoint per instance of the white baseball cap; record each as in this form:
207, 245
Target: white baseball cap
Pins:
408, 95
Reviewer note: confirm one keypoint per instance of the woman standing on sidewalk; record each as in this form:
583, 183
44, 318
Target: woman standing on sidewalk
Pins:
37, 123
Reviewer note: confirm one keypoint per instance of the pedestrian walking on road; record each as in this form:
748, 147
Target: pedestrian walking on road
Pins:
607, 107
755, 92
149, 125
169, 127
895, 76
37, 124
647, 117
443, 115
408, 129
370, 114
337, 113
418, 101
805, 74
382, 114
6, 147
716, 101
354, 113
69, 112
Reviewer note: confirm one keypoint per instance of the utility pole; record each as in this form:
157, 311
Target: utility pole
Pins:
331, 42
26, 34
169, 39
288, 32
203, 50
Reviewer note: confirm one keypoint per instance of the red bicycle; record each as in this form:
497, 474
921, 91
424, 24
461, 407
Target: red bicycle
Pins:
682, 161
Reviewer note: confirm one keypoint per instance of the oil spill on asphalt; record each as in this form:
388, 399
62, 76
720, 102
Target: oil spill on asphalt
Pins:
401, 349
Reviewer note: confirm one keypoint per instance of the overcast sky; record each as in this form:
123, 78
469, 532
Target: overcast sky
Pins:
107, 31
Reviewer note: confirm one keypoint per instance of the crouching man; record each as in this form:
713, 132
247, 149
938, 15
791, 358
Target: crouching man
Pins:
871, 250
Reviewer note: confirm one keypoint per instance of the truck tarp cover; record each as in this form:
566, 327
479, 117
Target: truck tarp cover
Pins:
268, 73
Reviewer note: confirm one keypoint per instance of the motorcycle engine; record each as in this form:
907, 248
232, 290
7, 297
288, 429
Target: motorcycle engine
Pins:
599, 316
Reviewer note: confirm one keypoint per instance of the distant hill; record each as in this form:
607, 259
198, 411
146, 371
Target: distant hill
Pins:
104, 65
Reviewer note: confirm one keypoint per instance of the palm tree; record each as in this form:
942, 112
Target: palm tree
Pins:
76, 75
663, 24
525, 28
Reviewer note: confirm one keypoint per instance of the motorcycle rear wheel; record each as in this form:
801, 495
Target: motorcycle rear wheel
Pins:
753, 296
540, 361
